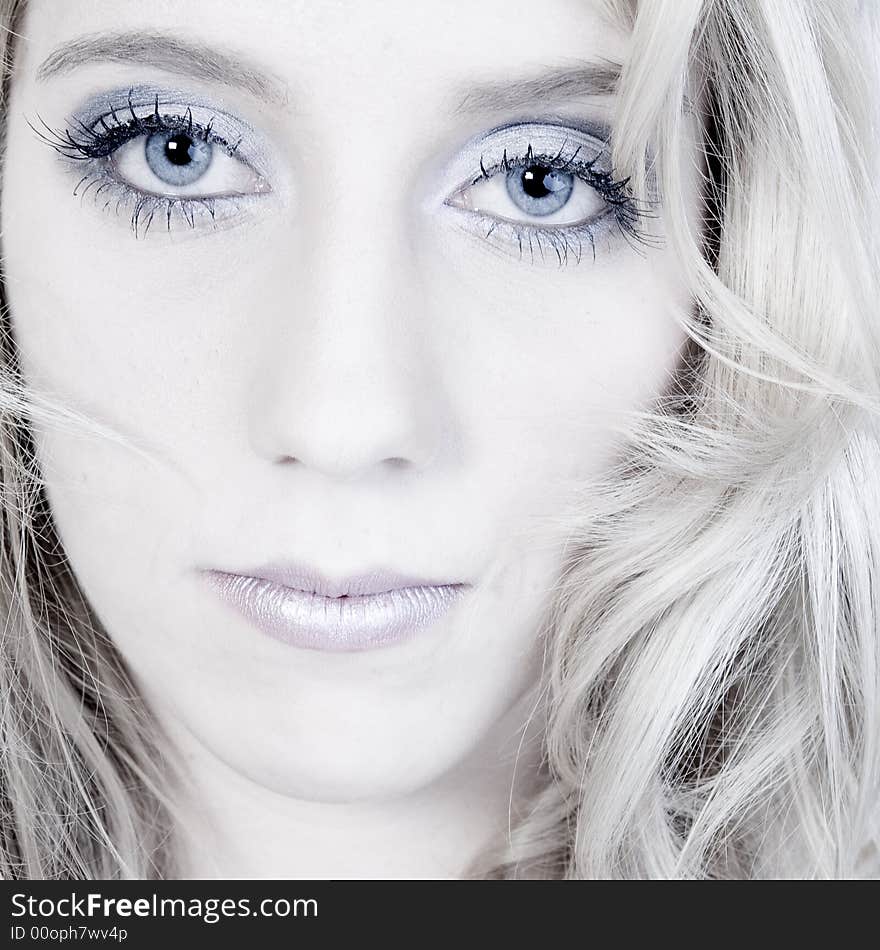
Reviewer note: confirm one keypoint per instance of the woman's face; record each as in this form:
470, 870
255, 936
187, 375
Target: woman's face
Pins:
356, 286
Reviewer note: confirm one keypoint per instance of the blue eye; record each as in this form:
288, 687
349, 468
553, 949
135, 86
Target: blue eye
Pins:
158, 162
539, 190
177, 158
547, 190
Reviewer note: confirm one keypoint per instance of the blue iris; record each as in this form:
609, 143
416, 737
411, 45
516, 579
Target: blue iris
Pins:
539, 190
177, 158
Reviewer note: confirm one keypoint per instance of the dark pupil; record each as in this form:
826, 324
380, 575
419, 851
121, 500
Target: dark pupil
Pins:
533, 181
177, 149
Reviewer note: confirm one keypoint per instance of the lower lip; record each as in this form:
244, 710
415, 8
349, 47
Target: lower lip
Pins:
336, 624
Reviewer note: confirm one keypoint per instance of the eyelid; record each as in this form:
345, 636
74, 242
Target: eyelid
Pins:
545, 137
228, 126
582, 152
107, 124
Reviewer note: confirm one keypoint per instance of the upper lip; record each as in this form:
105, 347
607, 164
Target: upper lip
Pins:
306, 578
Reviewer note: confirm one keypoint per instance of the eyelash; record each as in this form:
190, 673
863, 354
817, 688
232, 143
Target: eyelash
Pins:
98, 142
109, 133
627, 213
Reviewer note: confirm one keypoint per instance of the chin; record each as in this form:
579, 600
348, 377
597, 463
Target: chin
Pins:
377, 773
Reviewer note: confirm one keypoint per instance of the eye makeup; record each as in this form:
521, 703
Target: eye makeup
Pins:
546, 159
172, 158
187, 137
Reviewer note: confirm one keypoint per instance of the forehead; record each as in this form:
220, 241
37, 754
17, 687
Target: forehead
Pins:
348, 49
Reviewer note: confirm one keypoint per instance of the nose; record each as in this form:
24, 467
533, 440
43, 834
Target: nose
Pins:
347, 384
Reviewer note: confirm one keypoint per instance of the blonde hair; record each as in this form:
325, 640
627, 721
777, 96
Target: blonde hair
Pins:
712, 675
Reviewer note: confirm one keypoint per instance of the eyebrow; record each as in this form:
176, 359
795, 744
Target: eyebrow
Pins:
174, 55
599, 78
163, 52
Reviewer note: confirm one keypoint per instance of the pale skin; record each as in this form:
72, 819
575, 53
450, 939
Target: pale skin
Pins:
344, 370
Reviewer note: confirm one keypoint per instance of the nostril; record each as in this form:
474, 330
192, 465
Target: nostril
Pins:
397, 462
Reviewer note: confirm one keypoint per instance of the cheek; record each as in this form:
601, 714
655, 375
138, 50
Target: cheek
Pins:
114, 330
549, 360
151, 340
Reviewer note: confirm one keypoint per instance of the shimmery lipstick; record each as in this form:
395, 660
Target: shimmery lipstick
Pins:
302, 608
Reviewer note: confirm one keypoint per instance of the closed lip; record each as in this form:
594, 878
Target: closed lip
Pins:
305, 578
302, 607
